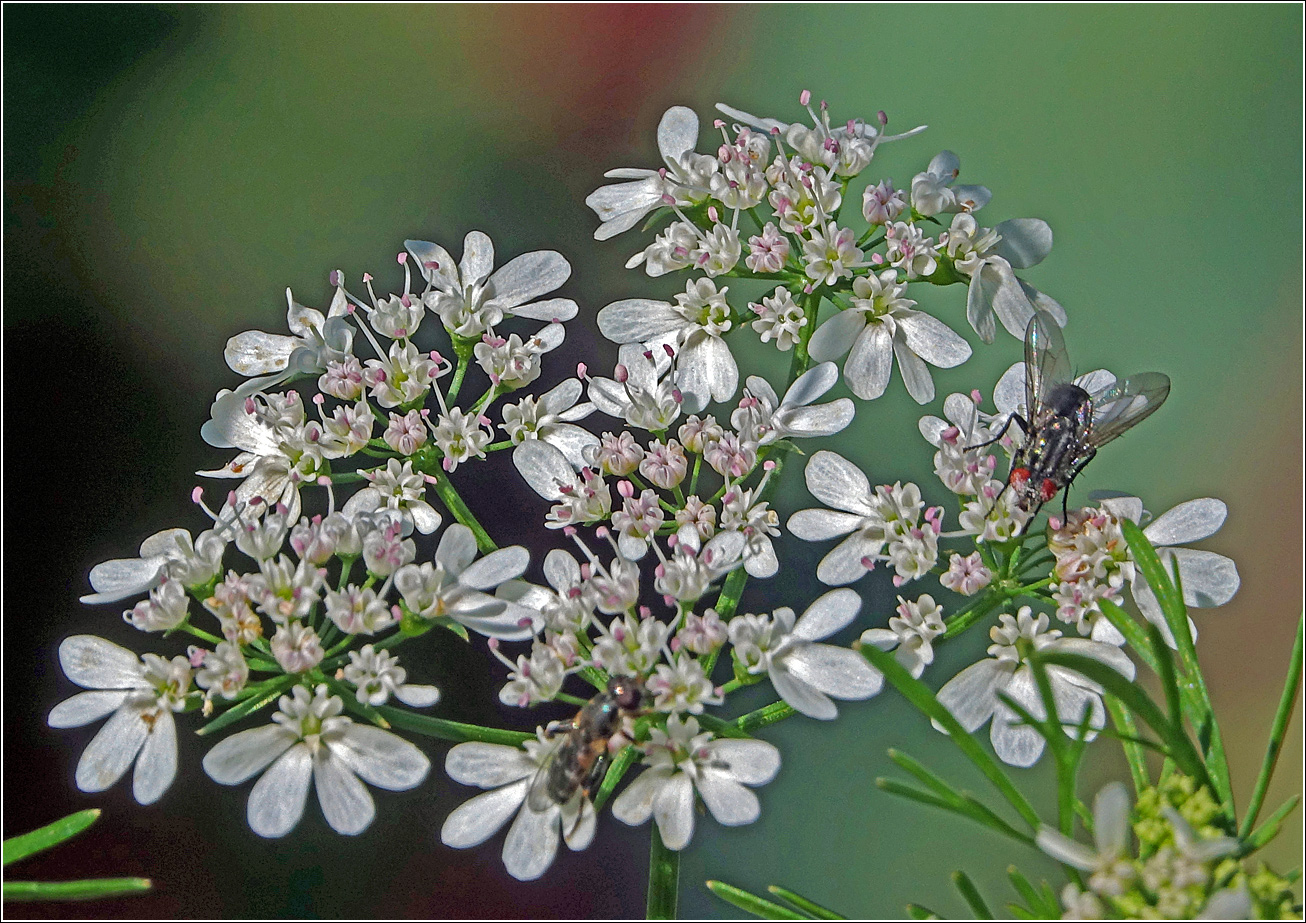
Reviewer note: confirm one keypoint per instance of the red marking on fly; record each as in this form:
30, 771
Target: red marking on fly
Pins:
1048, 489
1018, 477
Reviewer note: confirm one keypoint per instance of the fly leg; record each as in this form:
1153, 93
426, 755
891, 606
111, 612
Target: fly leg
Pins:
1079, 466
1013, 417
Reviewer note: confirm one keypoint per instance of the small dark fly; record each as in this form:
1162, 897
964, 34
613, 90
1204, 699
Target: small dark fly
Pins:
578, 763
1067, 424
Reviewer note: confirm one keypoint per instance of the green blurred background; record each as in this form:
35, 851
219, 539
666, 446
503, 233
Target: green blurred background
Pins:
170, 170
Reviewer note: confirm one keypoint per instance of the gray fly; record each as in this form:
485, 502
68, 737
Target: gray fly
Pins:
1066, 424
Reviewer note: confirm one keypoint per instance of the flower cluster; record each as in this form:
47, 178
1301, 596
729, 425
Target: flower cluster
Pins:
1185, 865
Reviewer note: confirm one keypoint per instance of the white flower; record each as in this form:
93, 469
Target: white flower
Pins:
472, 296
847, 149
531, 680
804, 673
276, 455
141, 693
310, 742
580, 498
630, 646
705, 368
316, 341
296, 647
932, 192
641, 391
396, 487
962, 466
740, 511
875, 518
995, 290
532, 840
972, 695
511, 363
552, 417
170, 552
967, 575
459, 436
688, 573
377, 676
779, 318
1112, 873
879, 326
164, 610
637, 521
452, 586
681, 686
683, 762
222, 671
621, 206
910, 250
830, 254
763, 418
402, 376
1208, 579
911, 632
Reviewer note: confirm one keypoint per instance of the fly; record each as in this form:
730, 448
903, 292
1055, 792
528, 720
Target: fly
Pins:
578, 763
1067, 424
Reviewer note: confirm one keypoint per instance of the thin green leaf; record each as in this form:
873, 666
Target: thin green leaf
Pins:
87, 889
720, 727
971, 895
925, 701
803, 905
1178, 746
1270, 829
1020, 913
620, 765
1134, 633
751, 903
349, 697
917, 912
663, 879
456, 731
1282, 715
1034, 900
275, 689
1169, 594
964, 805
1166, 673
27, 844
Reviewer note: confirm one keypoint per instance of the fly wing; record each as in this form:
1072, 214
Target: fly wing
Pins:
1046, 362
1125, 404
538, 798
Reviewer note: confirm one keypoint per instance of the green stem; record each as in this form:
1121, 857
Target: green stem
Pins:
1277, 730
456, 384
663, 879
88, 889
1124, 723
973, 613
441, 729
454, 503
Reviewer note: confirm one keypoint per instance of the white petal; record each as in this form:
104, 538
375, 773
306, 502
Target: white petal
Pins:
276, 802
1025, 241
1065, 850
475, 821
673, 809
620, 206
1209, 579
532, 843
552, 310
635, 320
85, 707
761, 561
810, 422
730, 803
1122, 507
834, 337
257, 353
1188, 522
457, 548
835, 671
1015, 743
1009, 392
975, 197
1010, 302
820, 525
933, 340
1111, 819
579, 833
915, 373
844, 563
417, 695
94, 663
443, 274
753, 762
827, 614
572, 440
1113, 657
800, 696
496, 618
381, 758
157, 765
107, 757
707, 369
488, 765
123, 577
761, 388
838, 483
345, 801
544, 467
635, 804
677, 133
867, 370
765, 124
527, 277
478, 259
1073, 701
243, 755
979, 303
971, 695
496, 568
561, 569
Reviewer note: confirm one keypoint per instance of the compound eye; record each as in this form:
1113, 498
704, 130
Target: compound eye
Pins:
1048, 489
1018, 476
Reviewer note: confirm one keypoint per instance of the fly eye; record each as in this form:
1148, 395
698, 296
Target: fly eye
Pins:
1019, 476
1048, 489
